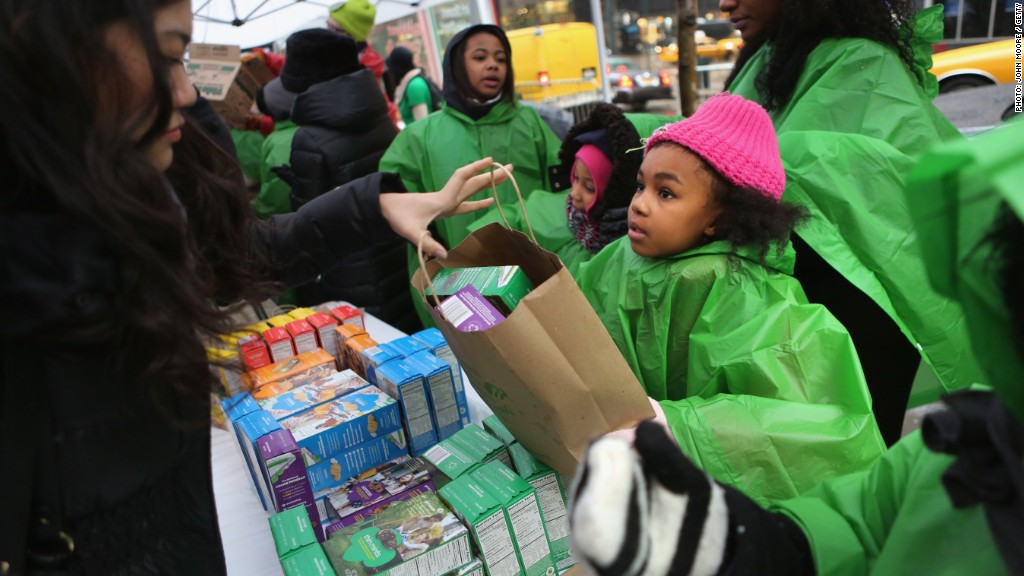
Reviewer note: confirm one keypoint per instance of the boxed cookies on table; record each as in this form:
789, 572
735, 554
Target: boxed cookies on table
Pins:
418, 537
280, 343
284, 472
288, 374
485, 517
523, 513
370, 493
303, 336
444, 407
354, 418
326, 332
348, 315
436, 343
313, 393
409, 388
327, 473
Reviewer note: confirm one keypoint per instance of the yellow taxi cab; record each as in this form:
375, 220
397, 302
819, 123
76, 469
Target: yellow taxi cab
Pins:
707, 47
978, 65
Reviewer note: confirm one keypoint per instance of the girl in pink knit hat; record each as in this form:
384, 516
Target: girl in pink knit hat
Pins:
758, 386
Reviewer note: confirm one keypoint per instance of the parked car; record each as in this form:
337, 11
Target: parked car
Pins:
633, 85
707, 47
979, 65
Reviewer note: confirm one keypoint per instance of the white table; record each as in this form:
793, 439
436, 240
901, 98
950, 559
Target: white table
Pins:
248, 546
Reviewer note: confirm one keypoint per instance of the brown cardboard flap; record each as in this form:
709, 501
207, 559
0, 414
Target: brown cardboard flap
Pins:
550, 371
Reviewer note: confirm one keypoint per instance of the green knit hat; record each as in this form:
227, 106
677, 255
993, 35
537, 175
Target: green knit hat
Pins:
355, 17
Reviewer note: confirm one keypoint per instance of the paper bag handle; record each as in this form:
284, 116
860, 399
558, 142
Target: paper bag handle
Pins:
522, 205
423, 267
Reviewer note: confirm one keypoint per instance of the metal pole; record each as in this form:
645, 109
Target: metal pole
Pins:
685, 39
602, 57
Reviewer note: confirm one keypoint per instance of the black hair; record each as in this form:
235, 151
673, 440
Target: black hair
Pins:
626, 148
66, 155
751, 218
1006, 238
806, 23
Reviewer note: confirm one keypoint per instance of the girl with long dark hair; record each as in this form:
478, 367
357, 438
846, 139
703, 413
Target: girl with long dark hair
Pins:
123, 231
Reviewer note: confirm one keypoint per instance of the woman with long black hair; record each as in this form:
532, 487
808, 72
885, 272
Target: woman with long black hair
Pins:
121, 231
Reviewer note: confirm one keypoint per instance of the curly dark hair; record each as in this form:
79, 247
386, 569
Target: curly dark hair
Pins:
626, 149
751, 218
806, 23
66, 158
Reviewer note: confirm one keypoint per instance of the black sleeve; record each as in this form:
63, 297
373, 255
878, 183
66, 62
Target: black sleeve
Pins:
317, 237
309, 168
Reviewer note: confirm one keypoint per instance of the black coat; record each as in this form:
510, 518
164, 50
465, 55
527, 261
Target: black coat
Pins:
344, 129
130, 464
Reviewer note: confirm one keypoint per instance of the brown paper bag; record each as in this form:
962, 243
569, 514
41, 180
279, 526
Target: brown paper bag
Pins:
550, 370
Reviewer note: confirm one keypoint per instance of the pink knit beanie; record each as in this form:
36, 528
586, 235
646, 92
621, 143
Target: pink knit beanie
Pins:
736, 137
599, 166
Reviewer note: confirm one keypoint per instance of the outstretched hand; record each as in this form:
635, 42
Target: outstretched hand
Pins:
409, 214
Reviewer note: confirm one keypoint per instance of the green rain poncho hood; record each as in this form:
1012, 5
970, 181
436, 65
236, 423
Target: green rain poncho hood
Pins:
847, 138
762, 390
546, 209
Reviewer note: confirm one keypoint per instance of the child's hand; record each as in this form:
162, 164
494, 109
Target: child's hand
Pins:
646, 509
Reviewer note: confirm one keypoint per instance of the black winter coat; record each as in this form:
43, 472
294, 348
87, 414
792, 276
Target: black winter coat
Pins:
130, 464
344, 129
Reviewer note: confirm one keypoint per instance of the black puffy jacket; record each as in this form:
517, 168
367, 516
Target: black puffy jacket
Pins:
130, 464
344, 129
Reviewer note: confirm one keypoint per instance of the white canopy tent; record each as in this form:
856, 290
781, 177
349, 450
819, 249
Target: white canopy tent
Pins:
249, 23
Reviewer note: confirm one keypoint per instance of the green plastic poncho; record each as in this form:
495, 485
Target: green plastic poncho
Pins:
427, 153
546, 209
275, 195
896, 518
855, 124
247, 145
762, 389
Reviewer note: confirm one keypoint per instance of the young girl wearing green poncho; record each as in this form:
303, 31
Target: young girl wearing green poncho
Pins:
762, 389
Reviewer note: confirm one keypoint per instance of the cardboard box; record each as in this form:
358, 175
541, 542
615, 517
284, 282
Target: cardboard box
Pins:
284, 473
487, 522
280, 343
342, 334
323, 389
551, 489
522, 510
405, 346
238, 405
226, 367
225, 80
368, 494
497, 428
443, 407
373, 357
469, 311
436, 343
349, 315
502, 286
310, 561
303, 336
249, 429
344, 422
301, 313
286, 375
354, 352
325, 326
419, 537
326, 474
465, 451
280, 321
292, 531
409, 387
474, 568
254, 352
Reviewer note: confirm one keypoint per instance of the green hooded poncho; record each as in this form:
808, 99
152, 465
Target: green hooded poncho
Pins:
896, 517
546, 210
855, 124
762, 389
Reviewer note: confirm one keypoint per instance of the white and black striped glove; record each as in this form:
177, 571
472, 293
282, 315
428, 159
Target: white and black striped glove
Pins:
647, 510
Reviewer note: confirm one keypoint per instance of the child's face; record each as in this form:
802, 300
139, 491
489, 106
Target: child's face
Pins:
583, 190
673, 209
486, 65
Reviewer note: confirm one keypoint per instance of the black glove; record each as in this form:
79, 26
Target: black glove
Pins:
648, 510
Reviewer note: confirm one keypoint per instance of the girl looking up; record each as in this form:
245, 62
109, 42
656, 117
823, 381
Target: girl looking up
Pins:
761, 388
